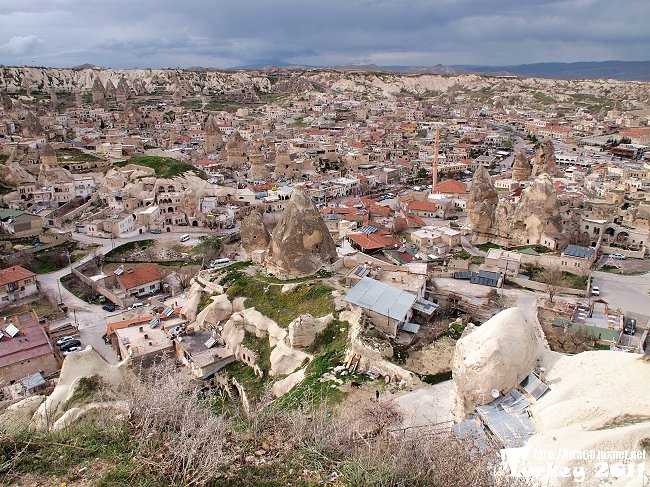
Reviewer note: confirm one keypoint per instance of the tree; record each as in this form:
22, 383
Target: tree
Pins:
399, 224
184, 277
553, 279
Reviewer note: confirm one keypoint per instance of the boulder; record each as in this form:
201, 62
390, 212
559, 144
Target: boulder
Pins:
86, 363
301, 243
498, 355
283, 386
303, 331
219, 310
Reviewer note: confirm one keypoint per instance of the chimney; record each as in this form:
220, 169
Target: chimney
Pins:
151, 344
141, 329
146, 336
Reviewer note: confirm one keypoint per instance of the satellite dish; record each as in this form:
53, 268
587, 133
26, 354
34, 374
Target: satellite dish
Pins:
495, 393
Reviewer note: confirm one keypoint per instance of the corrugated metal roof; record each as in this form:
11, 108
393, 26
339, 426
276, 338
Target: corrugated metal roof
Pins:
507, 418
425, 306
410, 327
381, 298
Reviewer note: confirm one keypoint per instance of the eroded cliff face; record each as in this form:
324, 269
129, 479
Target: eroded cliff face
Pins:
254, 235
481, 204
301, 243
545, 161
248, 84
511, 221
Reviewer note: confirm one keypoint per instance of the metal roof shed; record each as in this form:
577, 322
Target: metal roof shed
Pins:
381, 298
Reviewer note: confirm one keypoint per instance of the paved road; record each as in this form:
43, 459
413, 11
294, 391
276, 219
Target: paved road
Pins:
470, 248
628, 293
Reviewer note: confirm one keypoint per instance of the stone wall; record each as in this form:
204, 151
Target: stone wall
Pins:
539, 286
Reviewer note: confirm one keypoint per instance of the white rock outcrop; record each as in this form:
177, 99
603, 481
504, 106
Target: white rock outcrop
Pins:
219, 310
303, 330
86, 363
499, 354
597, 401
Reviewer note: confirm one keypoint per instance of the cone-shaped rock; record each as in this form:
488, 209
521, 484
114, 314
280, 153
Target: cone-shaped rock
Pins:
254, 235
301, 243
521, 168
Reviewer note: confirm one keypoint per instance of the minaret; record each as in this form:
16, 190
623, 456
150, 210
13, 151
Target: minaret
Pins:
435, 160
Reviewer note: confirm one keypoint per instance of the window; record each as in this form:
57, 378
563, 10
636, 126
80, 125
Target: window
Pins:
141, 290
153, 286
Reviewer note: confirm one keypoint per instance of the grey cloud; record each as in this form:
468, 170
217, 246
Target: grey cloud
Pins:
20, 45
223, 33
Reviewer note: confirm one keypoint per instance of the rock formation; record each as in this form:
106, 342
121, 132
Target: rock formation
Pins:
47, 155
212, 138
122, 91
110, 91
257, 169
545, 162
525, 220
219, 310
301, 243
303, 330
86, 363
481, 203
97, 91
31, 126
521, 168
536, 213
235, 151
497, 355
284, 167
254, 235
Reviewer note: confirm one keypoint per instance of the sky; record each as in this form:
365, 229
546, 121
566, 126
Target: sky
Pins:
228, 33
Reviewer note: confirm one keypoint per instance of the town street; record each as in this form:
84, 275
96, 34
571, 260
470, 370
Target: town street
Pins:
91, 318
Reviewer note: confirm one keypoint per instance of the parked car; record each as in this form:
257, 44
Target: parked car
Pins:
156, 231
70, 350
70, 344
617, 256
136, 305
110, 307
630, 326
595, 291
230, 227
65, 339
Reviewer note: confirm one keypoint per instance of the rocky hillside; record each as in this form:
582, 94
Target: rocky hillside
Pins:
251, 84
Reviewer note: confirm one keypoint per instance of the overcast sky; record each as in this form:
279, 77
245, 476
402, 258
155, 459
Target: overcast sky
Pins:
226, 33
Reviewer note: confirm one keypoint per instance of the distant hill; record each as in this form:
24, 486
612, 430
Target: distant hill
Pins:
623, 70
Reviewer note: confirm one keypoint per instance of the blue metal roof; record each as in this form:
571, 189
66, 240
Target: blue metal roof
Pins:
578, 251
381, 298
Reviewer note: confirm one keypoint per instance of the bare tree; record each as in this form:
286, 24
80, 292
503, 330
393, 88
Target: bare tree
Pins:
184, 276
553, 279
399, 224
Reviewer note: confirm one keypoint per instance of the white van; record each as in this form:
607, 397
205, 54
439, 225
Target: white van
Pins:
185, 237
136, 305
220, 262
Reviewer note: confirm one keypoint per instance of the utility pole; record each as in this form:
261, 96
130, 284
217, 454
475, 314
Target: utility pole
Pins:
58, 285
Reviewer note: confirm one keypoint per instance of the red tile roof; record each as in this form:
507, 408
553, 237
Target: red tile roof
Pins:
13, 274
422, 206
451, 186
140, 275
